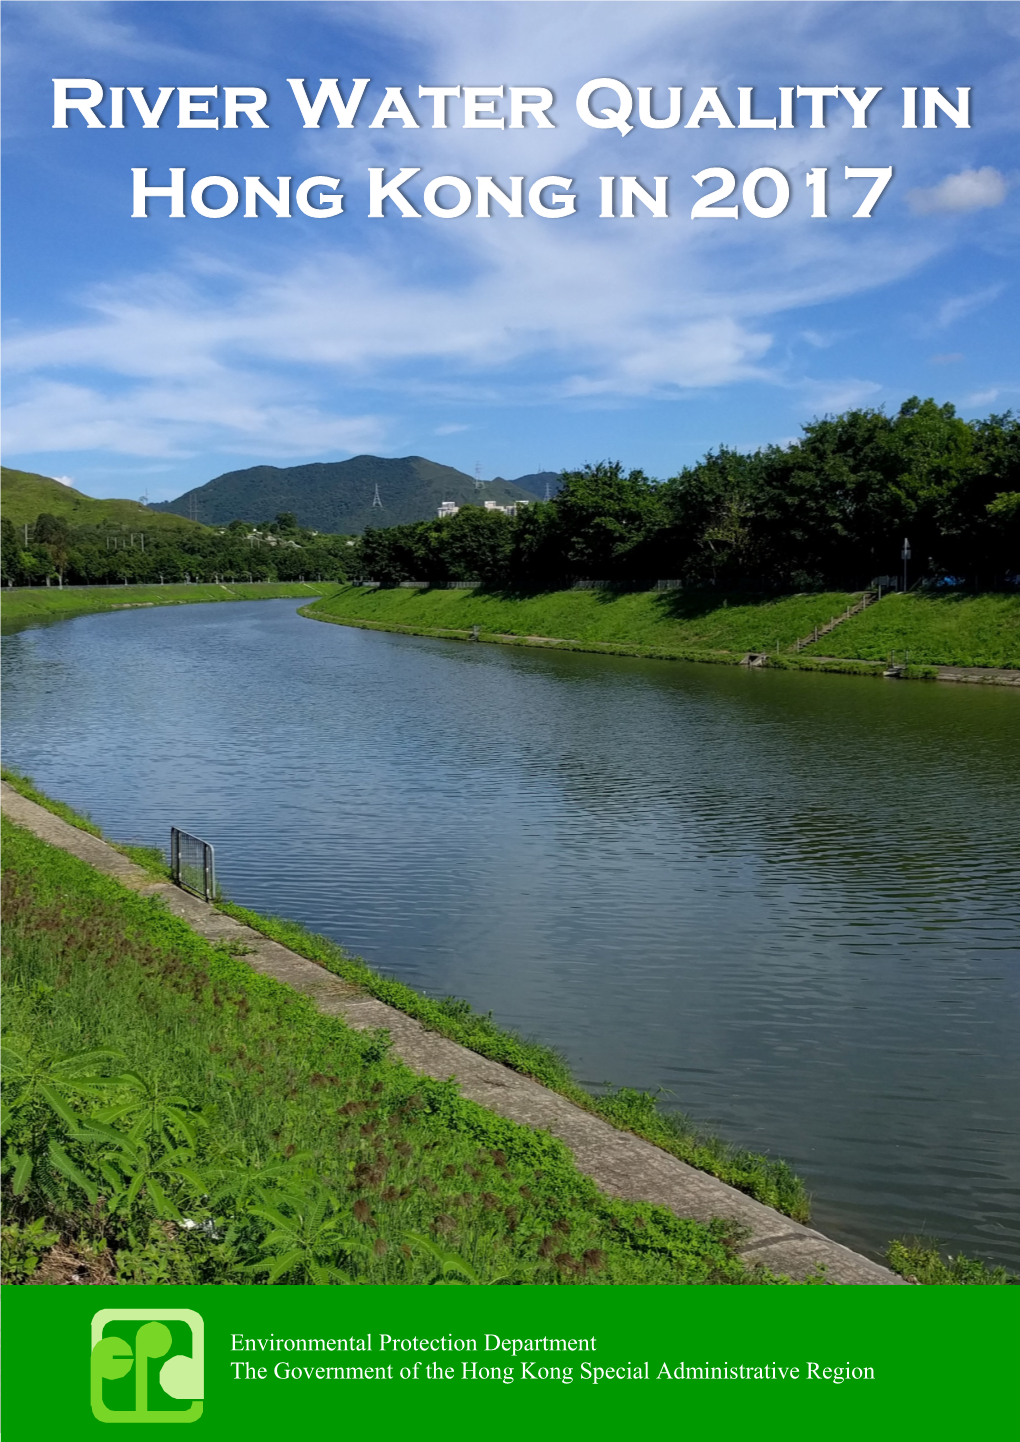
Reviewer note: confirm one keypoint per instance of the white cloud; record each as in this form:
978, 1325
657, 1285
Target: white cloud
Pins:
262, 356
64, 480
837, 394
969, 190
821, 340
960, 306
237, 416
987, 397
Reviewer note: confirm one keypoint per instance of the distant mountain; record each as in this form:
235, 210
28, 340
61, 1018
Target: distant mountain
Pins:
537, 481
27, 495
339, 496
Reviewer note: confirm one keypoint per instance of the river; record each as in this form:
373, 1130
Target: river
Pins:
791, 902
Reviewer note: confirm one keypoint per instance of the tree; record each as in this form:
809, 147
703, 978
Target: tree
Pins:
604, 514
474, 544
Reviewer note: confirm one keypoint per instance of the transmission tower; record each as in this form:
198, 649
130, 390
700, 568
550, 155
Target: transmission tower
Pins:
377, 499
479, 483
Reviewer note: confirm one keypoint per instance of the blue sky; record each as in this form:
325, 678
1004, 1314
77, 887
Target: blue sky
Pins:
147, 356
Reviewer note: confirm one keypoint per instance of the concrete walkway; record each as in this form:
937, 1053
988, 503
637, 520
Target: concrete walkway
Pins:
621, 1164
980, 675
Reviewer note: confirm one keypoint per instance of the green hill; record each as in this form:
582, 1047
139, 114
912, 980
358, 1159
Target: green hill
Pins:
25, 495
337, 496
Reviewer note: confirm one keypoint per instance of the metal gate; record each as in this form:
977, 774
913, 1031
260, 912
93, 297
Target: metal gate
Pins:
192, 863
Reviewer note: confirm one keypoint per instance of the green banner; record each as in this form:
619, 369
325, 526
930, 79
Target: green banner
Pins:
500, 1362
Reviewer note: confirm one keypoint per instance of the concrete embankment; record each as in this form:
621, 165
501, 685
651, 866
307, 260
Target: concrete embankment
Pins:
622, 1164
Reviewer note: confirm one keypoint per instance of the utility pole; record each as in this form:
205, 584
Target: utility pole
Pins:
905, 557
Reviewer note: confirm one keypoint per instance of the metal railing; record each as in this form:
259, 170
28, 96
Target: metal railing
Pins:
192, 863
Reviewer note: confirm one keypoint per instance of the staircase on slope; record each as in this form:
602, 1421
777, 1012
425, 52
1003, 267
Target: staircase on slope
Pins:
867, 599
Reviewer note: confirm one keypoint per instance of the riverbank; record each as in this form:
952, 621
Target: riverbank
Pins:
27, 603
176, 1117
922, 634
767, 1179
197, 1034
624, 1166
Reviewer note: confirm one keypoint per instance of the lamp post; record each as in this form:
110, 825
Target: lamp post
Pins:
905, 557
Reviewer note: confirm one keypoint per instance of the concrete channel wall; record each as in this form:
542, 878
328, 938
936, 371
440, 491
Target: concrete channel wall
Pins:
621, 1164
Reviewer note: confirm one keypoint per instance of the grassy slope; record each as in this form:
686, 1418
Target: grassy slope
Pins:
936, 630
685, 620
22, 605
253, 1113
26, 495
768, 1179
950, 630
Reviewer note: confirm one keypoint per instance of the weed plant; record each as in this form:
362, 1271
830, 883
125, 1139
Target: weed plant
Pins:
769, 1180
172, 1116
920, 1260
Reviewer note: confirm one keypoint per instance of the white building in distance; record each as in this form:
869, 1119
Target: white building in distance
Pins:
450, 508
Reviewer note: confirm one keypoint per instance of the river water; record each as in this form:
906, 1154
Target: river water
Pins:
789, 901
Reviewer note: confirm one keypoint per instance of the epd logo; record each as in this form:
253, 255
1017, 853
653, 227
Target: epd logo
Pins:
147, 1366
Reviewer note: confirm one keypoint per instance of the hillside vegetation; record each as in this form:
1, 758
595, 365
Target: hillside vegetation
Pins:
84, 545
339, 496
25, 496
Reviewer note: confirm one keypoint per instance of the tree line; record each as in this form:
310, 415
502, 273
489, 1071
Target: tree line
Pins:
831, 511
278, 550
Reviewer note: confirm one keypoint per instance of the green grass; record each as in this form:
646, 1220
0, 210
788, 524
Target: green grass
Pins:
768, 1179
919, 1260
693, 621
153, 1079
27, 495
26, 787
149, 857
948, 630
53, 601
935, 631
